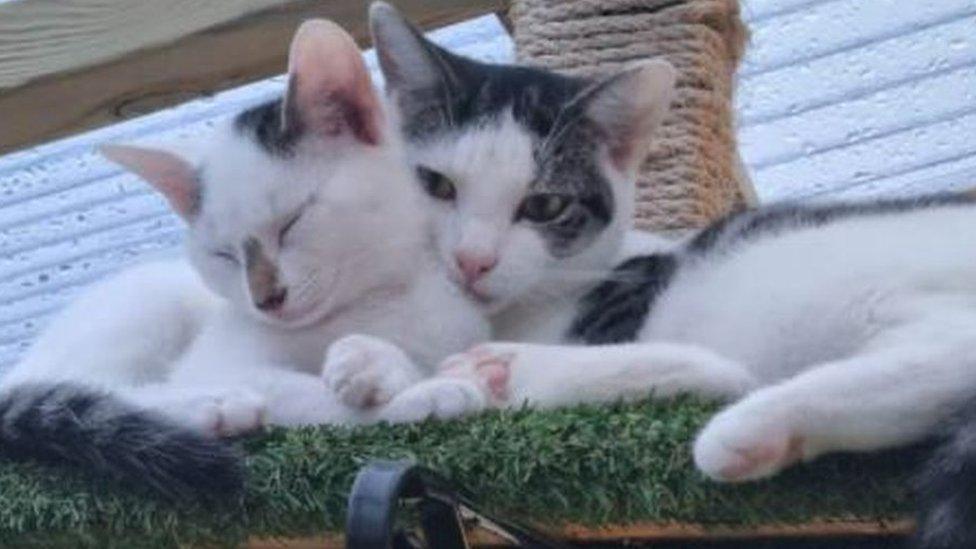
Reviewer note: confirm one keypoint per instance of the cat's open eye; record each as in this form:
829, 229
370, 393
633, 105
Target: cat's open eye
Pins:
542, 207
437, 184
225, 255
288, 226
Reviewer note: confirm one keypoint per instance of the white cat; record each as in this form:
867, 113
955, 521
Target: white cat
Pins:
846, 327
304, 226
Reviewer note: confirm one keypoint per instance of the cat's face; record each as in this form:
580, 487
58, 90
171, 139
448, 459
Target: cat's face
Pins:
299, 206
530, 174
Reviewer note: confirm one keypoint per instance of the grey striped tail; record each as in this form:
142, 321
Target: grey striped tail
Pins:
947, 490
67, 424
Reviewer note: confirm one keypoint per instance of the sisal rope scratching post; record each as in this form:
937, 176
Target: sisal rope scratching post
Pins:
693, 173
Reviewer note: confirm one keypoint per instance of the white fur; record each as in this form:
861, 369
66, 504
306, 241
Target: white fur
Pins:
185, 337
112, 333
492, 167
854, 336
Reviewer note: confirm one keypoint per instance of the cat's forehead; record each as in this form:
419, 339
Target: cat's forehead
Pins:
499, 150
482, 92
503, 156
238, 169
243, 188
510, 123
534, 98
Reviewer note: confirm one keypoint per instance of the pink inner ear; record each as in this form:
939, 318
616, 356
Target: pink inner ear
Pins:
362, 119
622, 150
169, 174
181, 192
337, 113
628, 107
332, 90
621, 144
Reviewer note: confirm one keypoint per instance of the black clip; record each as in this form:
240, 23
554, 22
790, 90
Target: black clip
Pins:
375, 500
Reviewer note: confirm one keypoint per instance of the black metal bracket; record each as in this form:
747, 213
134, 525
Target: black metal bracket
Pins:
375, 502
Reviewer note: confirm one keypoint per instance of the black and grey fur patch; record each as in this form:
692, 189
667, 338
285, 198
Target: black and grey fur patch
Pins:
615, 310
567, 164
946, 489
272, 125
64, 424
746, 225
470, 94
473, 93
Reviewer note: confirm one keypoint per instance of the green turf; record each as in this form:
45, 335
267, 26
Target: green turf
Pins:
591, 465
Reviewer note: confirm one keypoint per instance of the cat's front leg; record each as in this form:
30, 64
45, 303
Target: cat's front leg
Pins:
442, 397
366, 371
897, 391
214, 411
547, 376
498, 375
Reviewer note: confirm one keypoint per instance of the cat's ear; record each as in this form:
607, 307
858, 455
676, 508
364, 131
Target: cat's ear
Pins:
421, 77
628, 106
409, 61
171, 175
329, 88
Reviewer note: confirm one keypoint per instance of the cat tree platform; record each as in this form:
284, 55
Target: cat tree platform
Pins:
585, 474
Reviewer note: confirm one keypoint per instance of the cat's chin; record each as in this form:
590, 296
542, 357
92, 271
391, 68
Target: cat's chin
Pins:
488, 303
496, 299
296, 318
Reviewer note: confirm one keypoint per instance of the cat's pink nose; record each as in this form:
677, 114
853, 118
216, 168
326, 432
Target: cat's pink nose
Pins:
272, 301
474, 266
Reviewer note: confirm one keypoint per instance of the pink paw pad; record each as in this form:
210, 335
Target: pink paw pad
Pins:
760, 461
491, 369
496, 376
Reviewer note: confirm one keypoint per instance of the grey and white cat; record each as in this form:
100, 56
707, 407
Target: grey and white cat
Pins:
305, 228
832, 327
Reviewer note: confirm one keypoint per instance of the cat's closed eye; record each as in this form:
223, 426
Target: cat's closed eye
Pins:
288, 226
437, 184
542, 207
225, 255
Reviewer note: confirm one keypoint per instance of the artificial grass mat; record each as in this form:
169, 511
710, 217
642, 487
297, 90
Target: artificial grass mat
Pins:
588, 465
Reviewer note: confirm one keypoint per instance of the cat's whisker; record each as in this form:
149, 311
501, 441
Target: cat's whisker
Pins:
307, 285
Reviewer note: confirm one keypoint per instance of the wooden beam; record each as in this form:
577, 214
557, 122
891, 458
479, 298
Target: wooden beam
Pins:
680, 531
652, 532
42, 38
109, 80
505, 17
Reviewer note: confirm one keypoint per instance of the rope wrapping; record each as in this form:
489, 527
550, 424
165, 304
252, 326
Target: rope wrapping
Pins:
693, 172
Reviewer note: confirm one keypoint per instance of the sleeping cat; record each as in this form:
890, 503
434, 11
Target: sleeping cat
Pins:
304, 226
833, 327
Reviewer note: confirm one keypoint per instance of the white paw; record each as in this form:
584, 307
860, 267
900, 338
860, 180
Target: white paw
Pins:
438, 398
489, 366
224, 413
748, 441
365, 371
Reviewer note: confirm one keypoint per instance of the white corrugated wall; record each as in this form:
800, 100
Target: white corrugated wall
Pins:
842, 98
